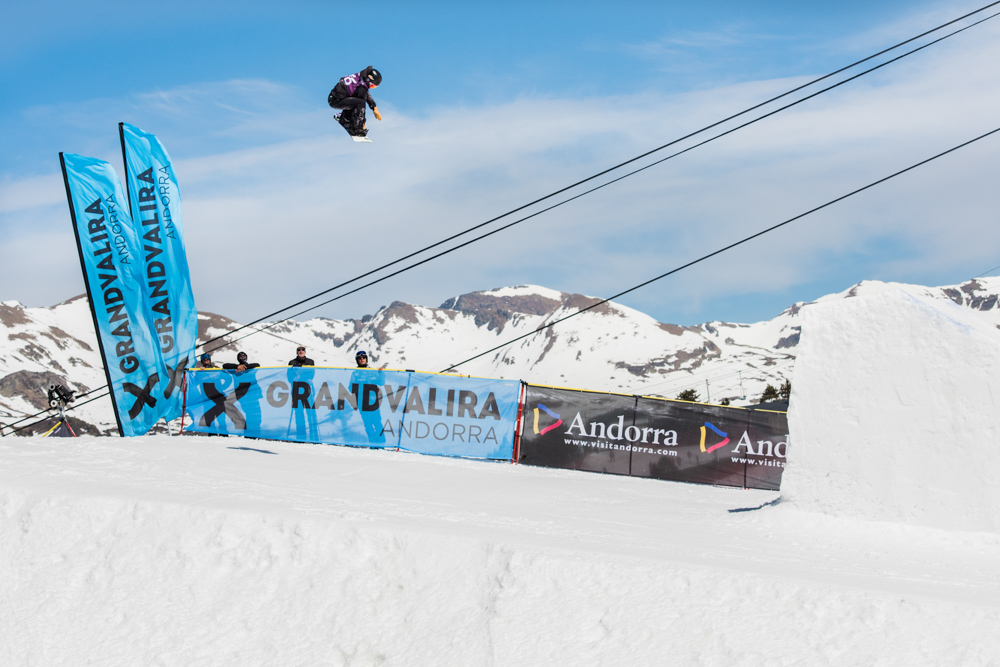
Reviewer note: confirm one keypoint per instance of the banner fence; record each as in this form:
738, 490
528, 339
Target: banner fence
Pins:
441, 415
649, 437
447, 415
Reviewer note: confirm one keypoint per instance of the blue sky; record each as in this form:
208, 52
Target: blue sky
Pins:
488, 108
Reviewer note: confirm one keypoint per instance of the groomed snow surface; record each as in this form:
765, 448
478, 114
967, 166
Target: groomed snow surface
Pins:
226, 551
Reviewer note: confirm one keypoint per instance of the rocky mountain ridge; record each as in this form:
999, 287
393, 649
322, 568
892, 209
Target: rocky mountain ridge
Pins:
609, 348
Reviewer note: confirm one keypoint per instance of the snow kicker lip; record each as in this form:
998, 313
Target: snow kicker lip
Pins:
724, 436
549, 413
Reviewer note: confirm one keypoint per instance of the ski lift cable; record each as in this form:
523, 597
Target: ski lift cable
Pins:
728, 247
578, 183
252, 331
693, 380
713, 379
706, 375
627, 162
987, 271
556, 205
784, 361
699, 383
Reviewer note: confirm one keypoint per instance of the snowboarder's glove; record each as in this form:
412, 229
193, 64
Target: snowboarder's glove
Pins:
377, 114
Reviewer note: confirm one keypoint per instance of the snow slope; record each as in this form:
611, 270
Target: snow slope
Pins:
170, 551
899, 419
226, 551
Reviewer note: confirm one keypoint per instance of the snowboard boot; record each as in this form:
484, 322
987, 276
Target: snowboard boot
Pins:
358, 126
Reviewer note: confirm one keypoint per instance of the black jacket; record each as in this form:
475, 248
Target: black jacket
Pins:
233, 367
340, 90
304, 361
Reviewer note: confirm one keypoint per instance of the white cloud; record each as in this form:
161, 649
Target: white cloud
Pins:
31, 192
290, 206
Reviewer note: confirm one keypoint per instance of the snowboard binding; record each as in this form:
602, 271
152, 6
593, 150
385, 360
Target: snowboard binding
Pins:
360, 137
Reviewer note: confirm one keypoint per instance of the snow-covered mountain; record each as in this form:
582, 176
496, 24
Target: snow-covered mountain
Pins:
609, 348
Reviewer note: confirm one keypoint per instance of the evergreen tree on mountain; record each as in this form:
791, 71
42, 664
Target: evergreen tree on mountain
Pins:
785, 390
688, 395
770, 394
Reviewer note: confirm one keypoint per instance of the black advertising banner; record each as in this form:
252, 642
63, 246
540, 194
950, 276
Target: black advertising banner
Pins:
646, 437
713, 444
558, 423
764, 450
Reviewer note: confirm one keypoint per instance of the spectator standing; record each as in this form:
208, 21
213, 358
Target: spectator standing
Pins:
361, 359
367, 384
250, 402
300, 358
205, 361
242, 363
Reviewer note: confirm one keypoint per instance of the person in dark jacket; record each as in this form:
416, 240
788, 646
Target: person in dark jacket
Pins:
300, 358
351, 94
241, 363
250, 401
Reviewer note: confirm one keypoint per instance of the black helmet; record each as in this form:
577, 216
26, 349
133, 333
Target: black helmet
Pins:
241, 357
374, 77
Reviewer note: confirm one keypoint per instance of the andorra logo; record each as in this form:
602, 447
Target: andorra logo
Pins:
550, 414
724, 436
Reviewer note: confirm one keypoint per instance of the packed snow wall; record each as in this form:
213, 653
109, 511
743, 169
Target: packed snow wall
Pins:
893, 413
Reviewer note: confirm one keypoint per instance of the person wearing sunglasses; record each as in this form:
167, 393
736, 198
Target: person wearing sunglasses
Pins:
351, 94
300, 358
361, 359
205, 361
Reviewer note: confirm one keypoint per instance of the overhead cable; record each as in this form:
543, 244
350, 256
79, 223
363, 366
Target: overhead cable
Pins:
579, 195
726, 248
623, 164
581, 182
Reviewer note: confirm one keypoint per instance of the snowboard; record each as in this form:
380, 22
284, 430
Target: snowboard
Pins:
360, 140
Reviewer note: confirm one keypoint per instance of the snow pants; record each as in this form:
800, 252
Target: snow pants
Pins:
353, 117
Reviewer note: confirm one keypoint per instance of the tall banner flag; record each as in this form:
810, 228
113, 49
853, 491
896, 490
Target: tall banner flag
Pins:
112, 271
155, 202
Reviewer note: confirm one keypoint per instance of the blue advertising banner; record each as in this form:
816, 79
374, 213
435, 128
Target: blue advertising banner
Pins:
155, 202
442, 415
112, 271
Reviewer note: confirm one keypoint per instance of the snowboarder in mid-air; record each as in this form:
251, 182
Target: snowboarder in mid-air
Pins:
351, 94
